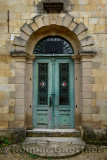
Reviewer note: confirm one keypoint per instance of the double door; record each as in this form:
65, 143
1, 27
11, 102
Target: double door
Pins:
53, 93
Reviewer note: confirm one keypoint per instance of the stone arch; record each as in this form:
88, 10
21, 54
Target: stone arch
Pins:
53, 24
52, 21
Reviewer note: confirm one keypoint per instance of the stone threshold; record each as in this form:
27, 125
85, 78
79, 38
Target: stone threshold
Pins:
53, 130
53, 146
53, 133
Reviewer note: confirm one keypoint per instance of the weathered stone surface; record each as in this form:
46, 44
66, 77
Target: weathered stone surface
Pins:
20, 102
27, 29
95, 110
3, 124
19, 117
20, 72
20, 87
19, 124
87, 117
19, 95
24, 36
86, 95
86, 65
5, 109
98, 88
18, 132
7, 87
86, 72
99, 117
11, 109
11, 80
6, 73
34, 26
20, 80
94, 102
73, 25
20, 49
83, 1
20, 65
67, 20
2, 95
80, 28
87, 41
6, 117
87, 110
87, 87
4, 66
82, 35
19, 42
96, 65
101, 95
11, 124
19, 109
46, 20
102, 110
87, 102
39, 21
86, 14
104, 125
60, 19
26, 15
3, 80
90, 49
53, 133
53, 18
53, 146
97, 125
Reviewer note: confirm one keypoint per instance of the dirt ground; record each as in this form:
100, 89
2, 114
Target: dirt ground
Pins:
15, 152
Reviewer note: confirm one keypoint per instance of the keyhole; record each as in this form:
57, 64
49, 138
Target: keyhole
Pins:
76, 78
76, 106
30, 79
30, 106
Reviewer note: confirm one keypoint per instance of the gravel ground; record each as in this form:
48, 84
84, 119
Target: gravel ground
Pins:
14, 152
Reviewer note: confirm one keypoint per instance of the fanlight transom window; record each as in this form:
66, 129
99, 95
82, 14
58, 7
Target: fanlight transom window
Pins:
53, 45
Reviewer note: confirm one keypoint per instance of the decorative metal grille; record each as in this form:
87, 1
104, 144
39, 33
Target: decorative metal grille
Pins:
64, 84
53, 45
53, 7
43, 83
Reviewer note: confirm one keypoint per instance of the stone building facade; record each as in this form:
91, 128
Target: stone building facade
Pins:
23, 23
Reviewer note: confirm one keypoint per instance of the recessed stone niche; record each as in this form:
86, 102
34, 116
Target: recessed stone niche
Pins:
39, 6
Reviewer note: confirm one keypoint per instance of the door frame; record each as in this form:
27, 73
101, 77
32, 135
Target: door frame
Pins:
24, 71
65, 59
24, 78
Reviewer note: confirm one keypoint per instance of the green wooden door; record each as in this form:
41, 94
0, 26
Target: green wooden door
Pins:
53, 93
64, 93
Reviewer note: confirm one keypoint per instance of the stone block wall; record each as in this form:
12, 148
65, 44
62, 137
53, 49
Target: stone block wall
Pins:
93, 13
7, 92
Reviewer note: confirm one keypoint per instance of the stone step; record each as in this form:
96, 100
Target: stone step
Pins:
53, 146
53, 133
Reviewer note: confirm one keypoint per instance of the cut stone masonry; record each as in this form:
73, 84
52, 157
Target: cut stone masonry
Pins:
61, 19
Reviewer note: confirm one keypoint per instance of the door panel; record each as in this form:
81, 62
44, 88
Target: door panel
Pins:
53, 78
64, 89
42, 88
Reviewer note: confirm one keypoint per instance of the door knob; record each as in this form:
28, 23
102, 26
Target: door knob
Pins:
50, 102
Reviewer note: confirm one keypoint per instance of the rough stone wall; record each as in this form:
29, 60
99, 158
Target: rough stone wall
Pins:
93, 13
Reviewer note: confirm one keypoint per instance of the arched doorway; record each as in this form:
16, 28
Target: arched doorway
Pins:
53, 84
84, 50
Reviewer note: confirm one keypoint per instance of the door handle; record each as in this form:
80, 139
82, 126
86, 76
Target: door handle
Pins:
50, 102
